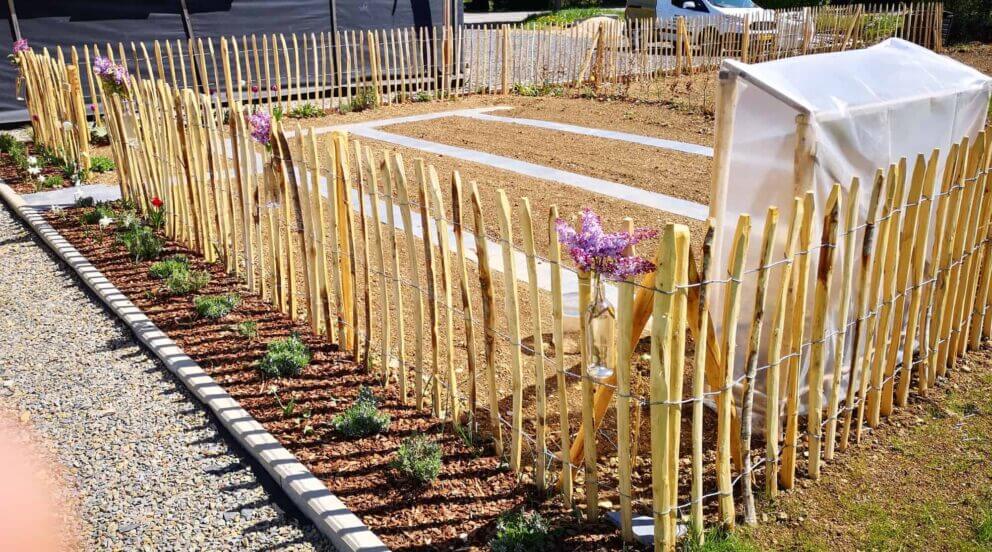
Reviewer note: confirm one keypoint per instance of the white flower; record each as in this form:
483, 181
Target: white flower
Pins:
67, 125
105, 222
34, 170
32, 160
57, 211
41, 178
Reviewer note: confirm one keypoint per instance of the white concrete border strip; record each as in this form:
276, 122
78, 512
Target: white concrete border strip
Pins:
661, 202
332, 518
649, 141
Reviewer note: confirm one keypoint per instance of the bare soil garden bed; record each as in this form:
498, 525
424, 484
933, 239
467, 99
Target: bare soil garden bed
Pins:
673, 173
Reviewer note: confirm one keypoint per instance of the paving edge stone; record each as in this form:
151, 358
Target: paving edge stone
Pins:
332, 518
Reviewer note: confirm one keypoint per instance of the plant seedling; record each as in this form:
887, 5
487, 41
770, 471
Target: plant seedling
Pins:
362, 418
164, 268
216, 306
520, 532
182, 282
285, 357
141, 242
247, 329
418, 459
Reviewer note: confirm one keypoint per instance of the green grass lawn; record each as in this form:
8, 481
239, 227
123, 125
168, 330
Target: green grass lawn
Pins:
568, 16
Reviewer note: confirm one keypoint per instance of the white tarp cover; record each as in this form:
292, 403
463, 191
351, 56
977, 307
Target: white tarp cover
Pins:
867, 108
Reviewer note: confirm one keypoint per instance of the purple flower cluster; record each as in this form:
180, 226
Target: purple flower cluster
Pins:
603, 252
261, 127
108, 70
21, 46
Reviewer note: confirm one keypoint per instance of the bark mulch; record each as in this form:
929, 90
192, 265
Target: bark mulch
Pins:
458, 512
20, 180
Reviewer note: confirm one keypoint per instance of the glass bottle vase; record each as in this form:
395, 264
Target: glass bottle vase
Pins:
600, 322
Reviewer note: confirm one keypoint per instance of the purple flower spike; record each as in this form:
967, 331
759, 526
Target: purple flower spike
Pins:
21, 46
261, 127
603, 252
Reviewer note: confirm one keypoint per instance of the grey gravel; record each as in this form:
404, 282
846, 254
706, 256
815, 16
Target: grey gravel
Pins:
148, 468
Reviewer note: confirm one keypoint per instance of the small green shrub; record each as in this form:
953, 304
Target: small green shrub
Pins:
306, 111
216, 306
182, 282
141, 242
97, 213
534, 90
418, 459
285, 357
362, 418
85, 201
49, 182
277, 113
422, 97
247, 329
520, 532
100, 164
365, 98
164, 268
7, 141
19, 155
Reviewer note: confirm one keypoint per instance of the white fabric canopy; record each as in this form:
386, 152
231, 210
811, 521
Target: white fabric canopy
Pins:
867, 109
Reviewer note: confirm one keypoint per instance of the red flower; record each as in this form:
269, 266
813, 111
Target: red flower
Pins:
157, 202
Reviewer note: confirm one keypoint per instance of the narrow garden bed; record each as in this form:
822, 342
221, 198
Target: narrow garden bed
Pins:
460, 510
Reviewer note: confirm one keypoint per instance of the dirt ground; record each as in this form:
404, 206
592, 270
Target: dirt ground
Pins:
975, 54
922, 481
673, 173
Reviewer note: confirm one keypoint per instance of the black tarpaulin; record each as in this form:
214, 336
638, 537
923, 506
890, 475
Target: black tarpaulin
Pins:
86, 22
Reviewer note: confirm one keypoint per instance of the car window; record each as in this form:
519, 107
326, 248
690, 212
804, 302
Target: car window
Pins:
699, 5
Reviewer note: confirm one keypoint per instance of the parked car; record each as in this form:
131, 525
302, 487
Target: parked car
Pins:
714, 19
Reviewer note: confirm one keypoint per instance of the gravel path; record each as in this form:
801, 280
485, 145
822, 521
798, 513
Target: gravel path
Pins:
149, 469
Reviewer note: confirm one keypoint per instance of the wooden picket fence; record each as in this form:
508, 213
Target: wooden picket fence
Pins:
408, 276
671, 59
54, 97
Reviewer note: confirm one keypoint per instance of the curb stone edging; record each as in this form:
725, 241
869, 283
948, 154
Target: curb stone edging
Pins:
331, 517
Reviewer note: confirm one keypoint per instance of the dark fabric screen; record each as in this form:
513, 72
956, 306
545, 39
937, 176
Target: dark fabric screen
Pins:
86, 22
77, 22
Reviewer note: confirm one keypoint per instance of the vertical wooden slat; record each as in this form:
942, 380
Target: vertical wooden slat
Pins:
411, 251
488, 317
467, 309
527, 233
797, 292
751, 361
773, 432
847, 275
513, 324
557, 316
444, 265
818, 331
731, 312
431, 290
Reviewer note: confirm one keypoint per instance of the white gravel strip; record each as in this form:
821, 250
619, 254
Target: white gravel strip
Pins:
151, 470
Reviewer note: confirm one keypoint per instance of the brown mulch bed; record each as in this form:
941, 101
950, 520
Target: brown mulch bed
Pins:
458, 512
21, 181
